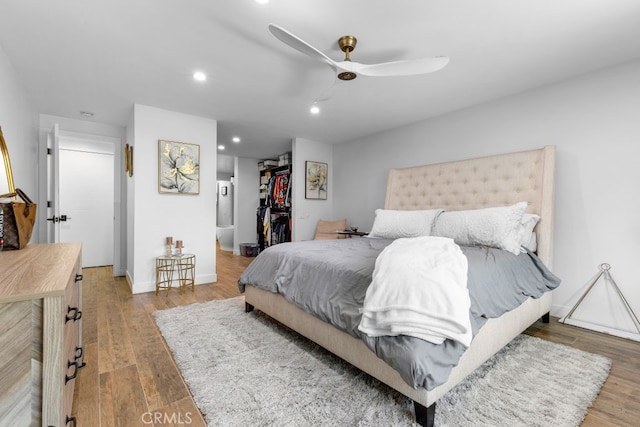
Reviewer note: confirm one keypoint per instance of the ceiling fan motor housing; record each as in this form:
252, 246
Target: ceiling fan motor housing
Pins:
347, 44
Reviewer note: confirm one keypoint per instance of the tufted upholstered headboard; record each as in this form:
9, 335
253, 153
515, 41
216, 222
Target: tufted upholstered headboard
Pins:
500, 180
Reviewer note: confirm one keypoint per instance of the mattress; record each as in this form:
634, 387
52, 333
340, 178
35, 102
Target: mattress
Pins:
329, 279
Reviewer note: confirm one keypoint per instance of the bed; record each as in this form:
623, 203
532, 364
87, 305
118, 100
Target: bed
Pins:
486, 182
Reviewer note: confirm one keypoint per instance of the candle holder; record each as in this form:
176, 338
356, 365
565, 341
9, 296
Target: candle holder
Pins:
179, 247
169, 243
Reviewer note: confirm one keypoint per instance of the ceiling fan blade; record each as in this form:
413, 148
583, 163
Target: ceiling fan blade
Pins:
397, 68
300, 45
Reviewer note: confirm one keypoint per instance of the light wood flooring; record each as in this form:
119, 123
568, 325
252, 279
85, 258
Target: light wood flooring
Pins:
131, 379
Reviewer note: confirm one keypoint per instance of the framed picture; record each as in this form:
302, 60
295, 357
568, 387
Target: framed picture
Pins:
178, 167
315, 180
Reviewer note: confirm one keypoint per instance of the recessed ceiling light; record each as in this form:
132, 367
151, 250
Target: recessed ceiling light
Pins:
86, 113
199, 76
236, 139
314, 109
262, 1
220, 147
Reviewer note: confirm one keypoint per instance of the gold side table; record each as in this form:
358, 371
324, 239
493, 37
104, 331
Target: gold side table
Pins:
168, 267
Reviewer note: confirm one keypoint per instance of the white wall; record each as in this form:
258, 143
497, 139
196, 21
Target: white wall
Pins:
89, 127
19, 127
594, 123
246, 201
306, 213
190, 218
130, 266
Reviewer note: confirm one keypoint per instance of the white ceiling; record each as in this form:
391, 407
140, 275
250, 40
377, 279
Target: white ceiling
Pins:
105, 55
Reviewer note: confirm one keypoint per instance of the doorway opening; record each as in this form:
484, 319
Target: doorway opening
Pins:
80, 177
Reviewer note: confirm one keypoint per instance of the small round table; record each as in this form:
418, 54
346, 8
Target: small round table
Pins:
168, 266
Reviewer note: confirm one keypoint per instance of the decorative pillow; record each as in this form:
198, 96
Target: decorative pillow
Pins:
498, 227
327, 229
392, 224
527, 236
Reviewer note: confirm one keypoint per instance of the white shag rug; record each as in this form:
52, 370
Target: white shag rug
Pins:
246, 369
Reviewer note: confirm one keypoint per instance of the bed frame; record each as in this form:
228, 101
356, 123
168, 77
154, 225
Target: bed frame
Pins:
500, 180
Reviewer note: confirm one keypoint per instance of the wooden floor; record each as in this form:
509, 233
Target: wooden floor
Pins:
131, 379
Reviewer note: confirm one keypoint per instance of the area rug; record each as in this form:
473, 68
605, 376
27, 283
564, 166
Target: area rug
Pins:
246, 369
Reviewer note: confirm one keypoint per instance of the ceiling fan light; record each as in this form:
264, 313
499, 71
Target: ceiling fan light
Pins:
199, 76
347, 75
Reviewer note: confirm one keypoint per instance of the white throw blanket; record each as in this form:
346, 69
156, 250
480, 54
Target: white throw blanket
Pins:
419, 289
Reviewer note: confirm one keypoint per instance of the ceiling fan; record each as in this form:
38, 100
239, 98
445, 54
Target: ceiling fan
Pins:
349, 70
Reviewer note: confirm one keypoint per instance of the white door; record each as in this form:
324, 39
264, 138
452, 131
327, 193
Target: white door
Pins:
86, 204
81, 195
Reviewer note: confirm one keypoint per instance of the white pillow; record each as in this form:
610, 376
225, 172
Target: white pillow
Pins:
392, 224
532, 244
527, 236
498, 227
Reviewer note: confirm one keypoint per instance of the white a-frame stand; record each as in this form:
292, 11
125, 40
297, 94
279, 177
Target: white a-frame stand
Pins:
604, 271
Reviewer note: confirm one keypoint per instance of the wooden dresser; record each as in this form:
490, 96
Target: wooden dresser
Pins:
40, 333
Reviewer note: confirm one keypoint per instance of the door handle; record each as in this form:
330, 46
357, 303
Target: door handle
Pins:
59, 218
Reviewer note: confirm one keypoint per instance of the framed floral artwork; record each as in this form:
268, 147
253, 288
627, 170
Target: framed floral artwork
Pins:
178, 167
315, 180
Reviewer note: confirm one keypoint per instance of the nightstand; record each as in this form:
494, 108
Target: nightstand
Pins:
179, 268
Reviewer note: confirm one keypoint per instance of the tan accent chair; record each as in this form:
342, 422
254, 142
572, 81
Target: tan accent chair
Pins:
327, 229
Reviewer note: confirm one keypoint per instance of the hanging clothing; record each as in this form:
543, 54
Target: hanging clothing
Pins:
273, 219
267, 225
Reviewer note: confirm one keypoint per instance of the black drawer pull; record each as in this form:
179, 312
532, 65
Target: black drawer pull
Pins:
71, 420
77, 314
79, 356
78, 277
68, 378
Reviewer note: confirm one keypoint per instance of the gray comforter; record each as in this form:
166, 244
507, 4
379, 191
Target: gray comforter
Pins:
329, 279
